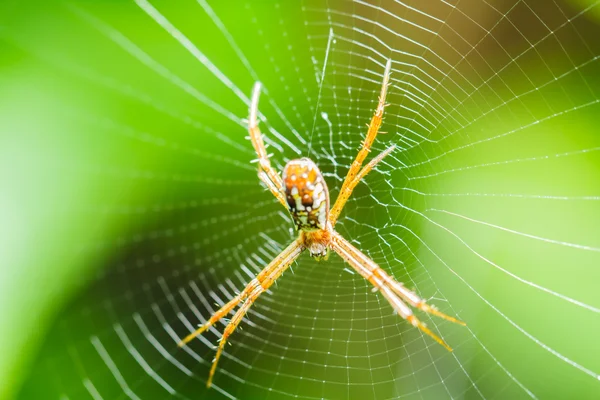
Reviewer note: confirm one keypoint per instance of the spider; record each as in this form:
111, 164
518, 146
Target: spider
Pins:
303, 191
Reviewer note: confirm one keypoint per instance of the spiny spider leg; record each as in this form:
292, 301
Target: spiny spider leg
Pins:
392, 290
367, 168
346, 190
417, 302
293, 251
258, 285
266, 172
364, 151
233, 324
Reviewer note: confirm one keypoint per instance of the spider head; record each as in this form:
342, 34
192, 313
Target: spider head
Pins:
317, 243
306, 194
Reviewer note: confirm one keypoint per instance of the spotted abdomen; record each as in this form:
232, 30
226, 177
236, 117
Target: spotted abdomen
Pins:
306, 194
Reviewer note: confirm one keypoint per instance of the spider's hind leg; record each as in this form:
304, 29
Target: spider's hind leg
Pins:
266, 172
355, 168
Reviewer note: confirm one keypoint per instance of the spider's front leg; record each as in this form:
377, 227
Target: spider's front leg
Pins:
392, 290
255, 288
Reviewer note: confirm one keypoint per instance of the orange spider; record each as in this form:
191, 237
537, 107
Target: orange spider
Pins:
303, 191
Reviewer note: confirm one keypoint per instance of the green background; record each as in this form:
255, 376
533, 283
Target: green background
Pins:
125, 176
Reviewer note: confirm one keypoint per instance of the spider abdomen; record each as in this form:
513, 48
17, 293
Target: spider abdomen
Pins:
306, 194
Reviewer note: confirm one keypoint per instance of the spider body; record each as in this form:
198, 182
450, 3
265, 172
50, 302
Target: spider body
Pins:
308, 203
306, 194
303, 191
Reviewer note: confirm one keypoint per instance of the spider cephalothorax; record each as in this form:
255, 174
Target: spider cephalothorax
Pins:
303, 191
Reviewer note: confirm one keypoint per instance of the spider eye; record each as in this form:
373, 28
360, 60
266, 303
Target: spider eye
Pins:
306, 194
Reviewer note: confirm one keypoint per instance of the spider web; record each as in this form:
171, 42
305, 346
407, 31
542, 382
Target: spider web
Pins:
488, 208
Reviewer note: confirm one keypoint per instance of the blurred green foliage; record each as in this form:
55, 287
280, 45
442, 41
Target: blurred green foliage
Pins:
100, 149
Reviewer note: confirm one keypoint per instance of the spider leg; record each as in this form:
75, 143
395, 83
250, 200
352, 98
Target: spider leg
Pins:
266, 172
233, 324
393, 291
223, 311
262, 175
367, 168
275, 267
417, 302
258, 285
366, 146
346, 191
